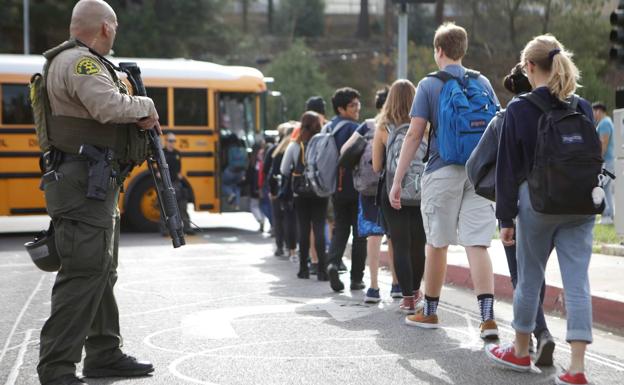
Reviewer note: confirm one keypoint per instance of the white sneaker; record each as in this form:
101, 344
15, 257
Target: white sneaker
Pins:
294, 258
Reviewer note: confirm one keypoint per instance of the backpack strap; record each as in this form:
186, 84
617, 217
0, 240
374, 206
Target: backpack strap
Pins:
338, 127
573, 102
442, 75
472, 74
538, 101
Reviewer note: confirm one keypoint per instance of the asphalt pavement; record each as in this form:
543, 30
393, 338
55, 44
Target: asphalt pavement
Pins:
224, 310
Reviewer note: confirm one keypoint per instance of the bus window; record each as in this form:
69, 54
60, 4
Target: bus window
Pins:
15, 104
237, 115
159, 96
190, 106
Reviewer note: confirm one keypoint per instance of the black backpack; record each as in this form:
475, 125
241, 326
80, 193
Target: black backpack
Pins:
301, 185
568, 159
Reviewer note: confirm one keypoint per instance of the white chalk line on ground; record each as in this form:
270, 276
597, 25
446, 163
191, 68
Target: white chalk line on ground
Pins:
597, 358
173, 367
19, 361
19, 317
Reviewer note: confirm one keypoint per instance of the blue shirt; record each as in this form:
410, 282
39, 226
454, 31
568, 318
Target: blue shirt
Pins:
344, 189
516, 151
425, 106
605, 127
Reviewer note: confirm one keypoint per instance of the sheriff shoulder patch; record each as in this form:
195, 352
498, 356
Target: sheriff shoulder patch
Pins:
87, 66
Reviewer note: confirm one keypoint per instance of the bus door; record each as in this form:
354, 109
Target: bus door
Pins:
239, 138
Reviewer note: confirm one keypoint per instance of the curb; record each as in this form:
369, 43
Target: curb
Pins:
612, 249
606, 312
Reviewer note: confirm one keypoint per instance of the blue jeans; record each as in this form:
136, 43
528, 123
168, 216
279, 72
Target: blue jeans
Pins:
540, 319
571, 236
230, 183
608, 188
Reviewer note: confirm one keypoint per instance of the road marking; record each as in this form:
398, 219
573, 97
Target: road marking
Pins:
597, 358
19, 361
19, 317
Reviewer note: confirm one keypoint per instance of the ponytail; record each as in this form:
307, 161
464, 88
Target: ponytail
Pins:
564, 76
549, 55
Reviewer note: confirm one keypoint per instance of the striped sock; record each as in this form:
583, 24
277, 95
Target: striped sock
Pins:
431, 305
486, 305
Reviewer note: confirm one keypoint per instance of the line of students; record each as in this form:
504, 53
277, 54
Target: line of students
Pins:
451, 211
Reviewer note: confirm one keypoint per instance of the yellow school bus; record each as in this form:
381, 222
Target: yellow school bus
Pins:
200, 102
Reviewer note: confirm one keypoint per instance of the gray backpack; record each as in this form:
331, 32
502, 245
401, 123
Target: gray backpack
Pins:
321, 159
410, 188
365, 179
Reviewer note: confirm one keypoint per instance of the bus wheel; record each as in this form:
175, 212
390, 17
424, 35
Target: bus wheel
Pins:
142, 212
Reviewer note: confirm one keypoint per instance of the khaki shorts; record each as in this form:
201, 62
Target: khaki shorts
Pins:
452, 212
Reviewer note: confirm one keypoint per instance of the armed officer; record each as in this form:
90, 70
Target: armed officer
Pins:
88, 108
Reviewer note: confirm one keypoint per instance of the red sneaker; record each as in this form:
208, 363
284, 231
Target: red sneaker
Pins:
505, 355
571, 379
407, 305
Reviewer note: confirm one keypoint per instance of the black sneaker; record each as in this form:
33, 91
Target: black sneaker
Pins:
545, 349
126, 366
313, 268
303, 274
322, 276
279, 253
68, 379
334, 278
342, 267
357, 285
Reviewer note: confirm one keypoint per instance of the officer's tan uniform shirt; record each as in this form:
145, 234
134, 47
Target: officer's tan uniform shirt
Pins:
79, 85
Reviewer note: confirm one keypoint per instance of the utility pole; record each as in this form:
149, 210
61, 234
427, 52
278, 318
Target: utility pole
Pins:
402, 38
26, 28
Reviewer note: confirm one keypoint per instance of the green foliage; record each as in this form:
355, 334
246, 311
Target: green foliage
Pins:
163, 28
420, 62
298, 76
301, 18
586, 36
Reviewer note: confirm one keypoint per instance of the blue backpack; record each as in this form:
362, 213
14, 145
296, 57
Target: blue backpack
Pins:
464, 112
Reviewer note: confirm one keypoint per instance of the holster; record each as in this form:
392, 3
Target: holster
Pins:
101, 175
49, 163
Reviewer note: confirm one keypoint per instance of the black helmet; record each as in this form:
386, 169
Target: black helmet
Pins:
43, 252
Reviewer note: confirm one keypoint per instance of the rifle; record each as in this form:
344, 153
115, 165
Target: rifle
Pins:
164, 188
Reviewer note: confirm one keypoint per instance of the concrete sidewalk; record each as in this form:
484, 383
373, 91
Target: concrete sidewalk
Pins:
606, 274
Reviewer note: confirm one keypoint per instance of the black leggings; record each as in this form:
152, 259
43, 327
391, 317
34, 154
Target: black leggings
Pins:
311, 213
284, 224
407, 233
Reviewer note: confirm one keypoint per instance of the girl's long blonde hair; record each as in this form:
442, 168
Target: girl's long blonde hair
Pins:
396, 110
548, 54
287, 129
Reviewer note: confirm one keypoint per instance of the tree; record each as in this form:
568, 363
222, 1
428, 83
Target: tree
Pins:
439, 12
181, 28
245, 13
363, 29
297, 76
301, 18
270, 9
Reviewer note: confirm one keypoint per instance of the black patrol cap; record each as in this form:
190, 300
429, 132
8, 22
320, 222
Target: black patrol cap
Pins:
42, 251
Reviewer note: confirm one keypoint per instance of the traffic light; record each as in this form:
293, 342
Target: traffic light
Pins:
617, 34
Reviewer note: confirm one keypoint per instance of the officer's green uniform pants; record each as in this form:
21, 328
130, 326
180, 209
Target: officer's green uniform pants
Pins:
84, 311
